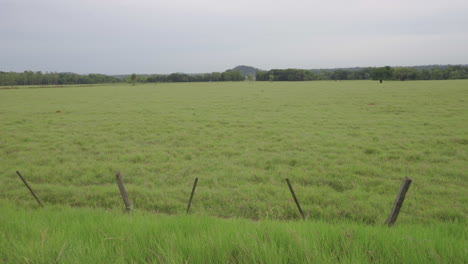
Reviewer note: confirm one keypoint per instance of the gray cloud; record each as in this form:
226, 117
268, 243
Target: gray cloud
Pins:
201, 36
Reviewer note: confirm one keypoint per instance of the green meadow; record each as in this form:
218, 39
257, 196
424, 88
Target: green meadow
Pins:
346, 147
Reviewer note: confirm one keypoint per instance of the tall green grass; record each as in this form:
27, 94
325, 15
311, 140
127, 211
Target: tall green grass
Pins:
65, 235
346, 146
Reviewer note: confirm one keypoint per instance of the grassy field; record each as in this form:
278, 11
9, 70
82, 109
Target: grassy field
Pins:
65, 235
346, 146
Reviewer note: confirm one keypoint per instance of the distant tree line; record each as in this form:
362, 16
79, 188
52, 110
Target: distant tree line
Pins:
39, 78
51, 78
382, 73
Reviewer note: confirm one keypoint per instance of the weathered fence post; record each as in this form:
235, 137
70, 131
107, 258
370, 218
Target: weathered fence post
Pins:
27, 185
399, 201
191, 195
122, 191
295, 198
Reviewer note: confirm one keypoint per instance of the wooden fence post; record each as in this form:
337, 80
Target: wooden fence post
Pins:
191, 196
399, 201
122, 191
295, 198
27, 185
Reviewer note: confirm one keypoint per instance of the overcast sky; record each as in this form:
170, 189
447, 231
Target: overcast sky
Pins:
151, 36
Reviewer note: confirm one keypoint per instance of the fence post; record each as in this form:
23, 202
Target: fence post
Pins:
191, 195
398, 202
295, 198
122, 191
27, 185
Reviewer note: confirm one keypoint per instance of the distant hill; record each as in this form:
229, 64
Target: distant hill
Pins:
246, 70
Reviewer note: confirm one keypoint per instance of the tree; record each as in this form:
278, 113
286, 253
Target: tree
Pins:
383, 73
309, 76
216, 76
237, 76
340, 75
403, 74
261, 76
133, 78
436, 74
426, 74
226, 76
